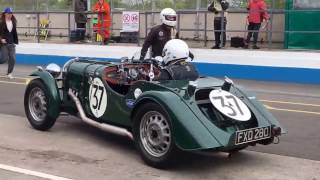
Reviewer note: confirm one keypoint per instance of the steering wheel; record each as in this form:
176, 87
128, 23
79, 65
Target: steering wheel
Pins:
152, 61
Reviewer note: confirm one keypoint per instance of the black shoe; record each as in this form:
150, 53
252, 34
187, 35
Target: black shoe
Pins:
245, 46
215, 47
255, 47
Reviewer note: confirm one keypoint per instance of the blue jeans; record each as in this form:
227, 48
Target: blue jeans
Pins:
8, 52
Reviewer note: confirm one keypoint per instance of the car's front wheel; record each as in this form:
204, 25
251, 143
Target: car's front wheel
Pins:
154, 136
36, 102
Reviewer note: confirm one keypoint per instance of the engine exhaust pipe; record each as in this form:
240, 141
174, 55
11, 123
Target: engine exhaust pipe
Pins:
102, 126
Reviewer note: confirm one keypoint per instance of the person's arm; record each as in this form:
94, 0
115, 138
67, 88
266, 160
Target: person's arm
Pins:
107, 9
147, 43
76, 5
264, 11
85, 5
2, 41
15, 35
96, 8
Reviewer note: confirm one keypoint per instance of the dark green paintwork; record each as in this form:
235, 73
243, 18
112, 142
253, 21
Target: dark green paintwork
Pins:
192, 130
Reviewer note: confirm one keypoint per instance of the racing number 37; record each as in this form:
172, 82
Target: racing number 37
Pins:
97, 98
230, 105
235, 110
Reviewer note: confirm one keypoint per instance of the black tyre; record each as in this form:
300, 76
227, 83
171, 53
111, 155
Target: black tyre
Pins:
36, 102
153, 135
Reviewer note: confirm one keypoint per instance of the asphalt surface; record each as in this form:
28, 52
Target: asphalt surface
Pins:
78, 151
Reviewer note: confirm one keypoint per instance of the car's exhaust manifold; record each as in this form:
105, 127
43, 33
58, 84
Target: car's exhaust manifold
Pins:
102, 126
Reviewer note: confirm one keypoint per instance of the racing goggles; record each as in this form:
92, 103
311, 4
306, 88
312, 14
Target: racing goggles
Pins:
170, 17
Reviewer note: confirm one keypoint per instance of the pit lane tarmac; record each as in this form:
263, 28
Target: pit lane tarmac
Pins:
72, 149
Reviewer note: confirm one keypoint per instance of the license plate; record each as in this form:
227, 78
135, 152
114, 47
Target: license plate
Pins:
251, 135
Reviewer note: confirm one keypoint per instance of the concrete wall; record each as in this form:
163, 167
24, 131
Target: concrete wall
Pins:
236, 21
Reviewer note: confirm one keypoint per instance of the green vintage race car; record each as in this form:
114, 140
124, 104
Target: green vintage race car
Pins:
163, 117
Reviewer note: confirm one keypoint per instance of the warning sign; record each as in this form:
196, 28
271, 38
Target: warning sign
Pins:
130, 21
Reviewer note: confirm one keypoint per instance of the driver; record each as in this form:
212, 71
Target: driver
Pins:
161, 34
175, 66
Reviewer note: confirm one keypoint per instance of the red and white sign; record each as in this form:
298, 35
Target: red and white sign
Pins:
130, 21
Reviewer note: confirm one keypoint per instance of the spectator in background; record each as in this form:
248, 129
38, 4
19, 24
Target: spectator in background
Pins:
104, 19
257, 13
80, 7
220, 21
9, 39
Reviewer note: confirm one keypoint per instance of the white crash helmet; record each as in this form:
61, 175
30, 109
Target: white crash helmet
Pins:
168, 17
175, 49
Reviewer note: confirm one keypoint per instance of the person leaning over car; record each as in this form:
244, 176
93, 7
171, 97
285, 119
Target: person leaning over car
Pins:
160, 34
9, 39
257, 13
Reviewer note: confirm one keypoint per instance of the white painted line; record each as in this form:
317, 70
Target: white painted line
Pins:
32, 173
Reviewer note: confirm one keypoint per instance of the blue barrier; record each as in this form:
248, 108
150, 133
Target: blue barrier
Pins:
264, 73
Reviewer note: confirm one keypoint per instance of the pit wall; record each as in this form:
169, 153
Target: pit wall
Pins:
282, 66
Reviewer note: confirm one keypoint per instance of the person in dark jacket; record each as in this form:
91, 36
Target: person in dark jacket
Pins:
218, 7
80, 7
9, 39
161, 34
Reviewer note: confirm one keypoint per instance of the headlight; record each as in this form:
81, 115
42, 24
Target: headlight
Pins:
54, 70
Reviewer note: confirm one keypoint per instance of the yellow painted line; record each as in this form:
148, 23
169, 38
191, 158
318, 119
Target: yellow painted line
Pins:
292, 110
292, 103
22, 78
18, 83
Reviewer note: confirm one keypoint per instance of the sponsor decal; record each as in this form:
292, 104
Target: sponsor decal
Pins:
130, 103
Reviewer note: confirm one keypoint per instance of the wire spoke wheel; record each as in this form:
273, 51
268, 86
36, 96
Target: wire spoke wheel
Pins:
38, 104
155, 133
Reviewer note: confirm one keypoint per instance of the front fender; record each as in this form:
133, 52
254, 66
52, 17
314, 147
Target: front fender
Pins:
188, 132
53, 92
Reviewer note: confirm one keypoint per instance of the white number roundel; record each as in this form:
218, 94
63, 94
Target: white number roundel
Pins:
230, 105
97, 98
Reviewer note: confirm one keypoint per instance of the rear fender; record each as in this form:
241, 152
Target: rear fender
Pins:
53, 91
188, 132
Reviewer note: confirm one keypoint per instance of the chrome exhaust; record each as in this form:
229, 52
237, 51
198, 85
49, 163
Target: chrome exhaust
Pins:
102, 126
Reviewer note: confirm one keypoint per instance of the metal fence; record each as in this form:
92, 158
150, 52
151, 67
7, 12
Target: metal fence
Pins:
148, 20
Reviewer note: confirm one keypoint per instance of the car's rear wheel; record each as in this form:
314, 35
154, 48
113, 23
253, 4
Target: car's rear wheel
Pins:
154, 136
36, 102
